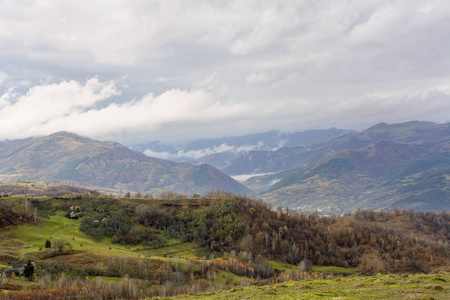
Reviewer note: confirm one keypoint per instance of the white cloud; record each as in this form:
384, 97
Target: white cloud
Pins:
199, 153
195, 154
259, 77
36, 111
162, 155
161, 79
72, 106
3, 77
7, 97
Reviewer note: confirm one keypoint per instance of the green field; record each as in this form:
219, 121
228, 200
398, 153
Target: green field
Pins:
30, 238
330, 269
60, 228
435, 286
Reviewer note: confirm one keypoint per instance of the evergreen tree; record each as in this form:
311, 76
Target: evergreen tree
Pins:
28, 270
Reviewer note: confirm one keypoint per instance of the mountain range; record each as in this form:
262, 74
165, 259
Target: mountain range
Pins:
67, 157
332, 171
401, 165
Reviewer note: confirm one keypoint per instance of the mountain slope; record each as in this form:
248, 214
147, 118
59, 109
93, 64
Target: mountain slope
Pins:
293, 159
402, 132
288, 158
405, 165
69, 157
255, 162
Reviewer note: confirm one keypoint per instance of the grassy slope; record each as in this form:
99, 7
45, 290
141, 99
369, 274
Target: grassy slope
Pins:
29, 238
331, 269
418, 286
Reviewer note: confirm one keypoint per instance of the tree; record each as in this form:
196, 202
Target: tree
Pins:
28, 270
48, 244
247, 243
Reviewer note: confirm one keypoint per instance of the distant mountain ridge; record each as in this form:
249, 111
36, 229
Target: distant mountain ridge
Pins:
405, 165
233, 154
69, 157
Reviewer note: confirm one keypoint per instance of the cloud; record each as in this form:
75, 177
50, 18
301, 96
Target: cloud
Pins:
35, 112
195, 154
180, 70
161, 79
3, 77
259, 77
73, 106
162, 155
89, 109
199, 153
222, 148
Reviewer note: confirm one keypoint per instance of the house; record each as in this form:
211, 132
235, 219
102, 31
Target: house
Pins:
72, 215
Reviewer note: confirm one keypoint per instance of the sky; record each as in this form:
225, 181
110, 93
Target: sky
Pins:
138, 71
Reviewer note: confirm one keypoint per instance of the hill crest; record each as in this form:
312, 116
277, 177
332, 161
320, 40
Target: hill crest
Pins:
65, 156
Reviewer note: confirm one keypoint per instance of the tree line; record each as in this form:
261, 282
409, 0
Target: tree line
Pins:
245, 225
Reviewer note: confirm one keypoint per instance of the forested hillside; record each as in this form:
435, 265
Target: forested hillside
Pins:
373, 242
164, 247
33, 189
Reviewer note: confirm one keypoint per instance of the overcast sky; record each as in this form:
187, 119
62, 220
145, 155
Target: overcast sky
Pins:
135, 71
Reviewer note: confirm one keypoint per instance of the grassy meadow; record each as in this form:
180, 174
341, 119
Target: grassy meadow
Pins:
25, 240
418, 286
